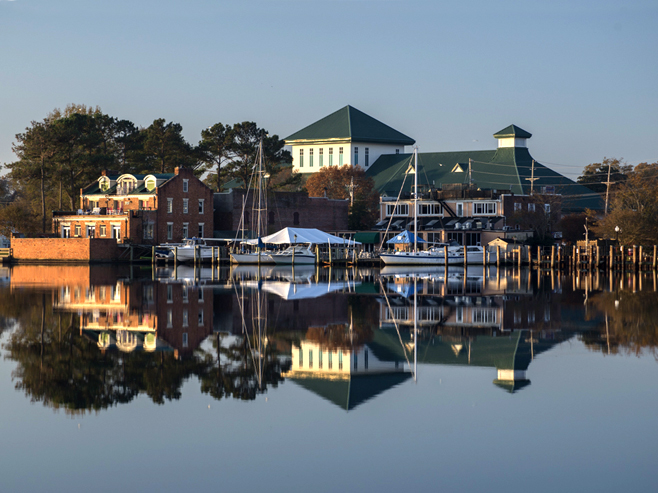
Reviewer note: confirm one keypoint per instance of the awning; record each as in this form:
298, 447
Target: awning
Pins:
405, 237
303, 235
368, 237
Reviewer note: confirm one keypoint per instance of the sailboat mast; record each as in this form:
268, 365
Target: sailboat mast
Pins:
415, 200
415, 325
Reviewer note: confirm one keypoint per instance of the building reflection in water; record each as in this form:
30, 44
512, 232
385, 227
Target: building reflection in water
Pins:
346, 335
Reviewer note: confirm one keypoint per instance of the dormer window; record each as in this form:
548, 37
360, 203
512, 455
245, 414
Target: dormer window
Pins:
104, 184
126, 185
150, 183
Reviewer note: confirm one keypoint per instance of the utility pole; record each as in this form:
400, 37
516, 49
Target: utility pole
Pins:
470, 172
607, 190
532, 178
351, 187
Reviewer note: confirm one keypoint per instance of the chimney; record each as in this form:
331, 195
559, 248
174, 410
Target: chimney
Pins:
176, 170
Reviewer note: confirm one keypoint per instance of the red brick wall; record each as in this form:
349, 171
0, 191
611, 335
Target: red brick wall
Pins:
174, 189
313, 212
64, 249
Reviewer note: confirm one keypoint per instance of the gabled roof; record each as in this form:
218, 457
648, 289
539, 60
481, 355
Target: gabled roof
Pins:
350, 123
512, 131
350, 392
94, 187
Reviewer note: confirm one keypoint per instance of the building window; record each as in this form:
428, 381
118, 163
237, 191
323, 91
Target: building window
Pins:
185, 339
482, 208
185, 294
150, 184
186, 230
170, 231
331, 156
200, 317
366, 159
148, 231
517, 206
202, 206
320, 359
103, 230
170, 293
170, 319
76, 230
329, 361
301, 357
295, 218
340, 156
429, 209
310, 158
91, 230
301, 158
310, 358
356, 361
185, 318
201, 230
340, 360
186, 185
460, 209
400, 210
547, 208
66, 231
531, 207
365, 359
397, 151
170, 205
186, 206
320, 157
116, 231
356, 156
201, 298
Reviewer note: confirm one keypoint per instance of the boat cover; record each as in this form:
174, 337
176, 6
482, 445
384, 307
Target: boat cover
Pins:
303, 235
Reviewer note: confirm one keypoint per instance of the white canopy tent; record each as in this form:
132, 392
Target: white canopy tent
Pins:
303, 235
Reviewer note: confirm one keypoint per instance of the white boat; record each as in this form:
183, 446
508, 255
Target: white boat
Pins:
296, 254
259, 256
191, 248
475, 255
252, 258
422, 257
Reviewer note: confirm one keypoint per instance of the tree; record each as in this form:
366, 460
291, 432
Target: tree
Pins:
541, 216
634, 208
596, 174
216, 151
347, 182
35, 149
572, 227
166, 148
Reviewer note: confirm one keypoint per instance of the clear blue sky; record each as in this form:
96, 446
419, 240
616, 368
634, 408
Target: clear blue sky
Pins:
581, 76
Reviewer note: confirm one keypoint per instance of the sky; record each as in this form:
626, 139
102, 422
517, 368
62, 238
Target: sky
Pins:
579, 75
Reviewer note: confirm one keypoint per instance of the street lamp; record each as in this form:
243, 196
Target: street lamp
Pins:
617, 231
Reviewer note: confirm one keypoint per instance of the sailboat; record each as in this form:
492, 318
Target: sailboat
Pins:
260, 256
433, 256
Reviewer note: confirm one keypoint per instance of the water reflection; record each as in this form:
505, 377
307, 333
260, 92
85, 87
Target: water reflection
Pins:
90, 337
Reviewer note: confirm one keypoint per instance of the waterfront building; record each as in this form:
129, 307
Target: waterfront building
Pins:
141, 209
346, 137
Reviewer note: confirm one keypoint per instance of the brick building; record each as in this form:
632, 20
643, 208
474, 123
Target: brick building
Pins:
141, 209
284, 209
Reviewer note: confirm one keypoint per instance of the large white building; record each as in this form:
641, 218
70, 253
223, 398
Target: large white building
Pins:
347, 136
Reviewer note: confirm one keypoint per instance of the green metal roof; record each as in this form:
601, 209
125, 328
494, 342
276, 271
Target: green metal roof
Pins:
512, 131
350, 123
369, 237
94, 187
503, 169
351, 392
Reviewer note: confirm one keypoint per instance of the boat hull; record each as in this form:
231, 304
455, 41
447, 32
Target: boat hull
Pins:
251, 258
300, 259
409, 258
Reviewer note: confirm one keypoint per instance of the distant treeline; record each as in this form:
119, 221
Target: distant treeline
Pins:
68, 150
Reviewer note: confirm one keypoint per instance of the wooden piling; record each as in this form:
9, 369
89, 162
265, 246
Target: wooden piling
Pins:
445, 258
153, 255
539, 257
498, 256
640, 258
484, 256
552, 257
634, 257
654, 258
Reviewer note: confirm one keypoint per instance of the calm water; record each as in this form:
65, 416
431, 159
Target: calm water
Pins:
119, 379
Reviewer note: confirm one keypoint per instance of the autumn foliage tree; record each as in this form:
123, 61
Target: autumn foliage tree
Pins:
347, 182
